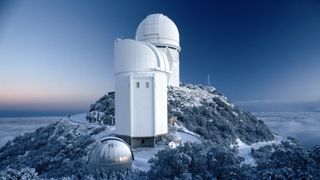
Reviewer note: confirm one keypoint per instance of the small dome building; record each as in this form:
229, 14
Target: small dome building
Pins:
110, 154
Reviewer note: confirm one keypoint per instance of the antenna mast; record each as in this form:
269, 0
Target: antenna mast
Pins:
209, 80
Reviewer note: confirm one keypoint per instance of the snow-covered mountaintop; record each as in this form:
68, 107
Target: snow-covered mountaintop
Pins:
201, 109
195, 96
205, 111
61, 149
203, 116
57, 150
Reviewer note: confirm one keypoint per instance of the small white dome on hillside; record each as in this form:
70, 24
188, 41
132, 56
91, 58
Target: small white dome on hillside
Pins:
159, 30
111, 153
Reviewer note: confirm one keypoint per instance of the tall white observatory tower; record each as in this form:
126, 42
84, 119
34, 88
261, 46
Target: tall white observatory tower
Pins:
162, 32
144, 68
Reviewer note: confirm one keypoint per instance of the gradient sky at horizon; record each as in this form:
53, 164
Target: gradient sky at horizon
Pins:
58, 55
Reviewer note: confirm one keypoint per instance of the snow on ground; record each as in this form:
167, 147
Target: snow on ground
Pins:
193, 97
234, 113
109, 131
186, 137
14, 126
77, 124
245, 149
143, 154
79, 118
185, 130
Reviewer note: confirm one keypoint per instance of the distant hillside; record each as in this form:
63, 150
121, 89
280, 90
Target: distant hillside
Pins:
201, 109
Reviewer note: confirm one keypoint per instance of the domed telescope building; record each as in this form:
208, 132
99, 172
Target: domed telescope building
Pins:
144, 67
160, 31
111, 154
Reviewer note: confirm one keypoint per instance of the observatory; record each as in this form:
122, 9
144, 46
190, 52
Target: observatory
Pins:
110, 154
160, 31
144, 67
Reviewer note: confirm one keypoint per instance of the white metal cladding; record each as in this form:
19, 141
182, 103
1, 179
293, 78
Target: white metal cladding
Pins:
161, 113
158, 29
143, 114
141, 104
122, 104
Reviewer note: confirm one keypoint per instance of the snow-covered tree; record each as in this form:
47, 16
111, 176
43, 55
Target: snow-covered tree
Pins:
201, 161
23, 174
288, 160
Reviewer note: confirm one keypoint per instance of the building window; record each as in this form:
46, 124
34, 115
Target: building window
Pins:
138, 84
147, 84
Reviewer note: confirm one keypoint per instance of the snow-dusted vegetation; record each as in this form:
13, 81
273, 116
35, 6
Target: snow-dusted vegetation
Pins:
14, 126
214, 139
205, 111
289, 160
102, 111
54, 151
201, 109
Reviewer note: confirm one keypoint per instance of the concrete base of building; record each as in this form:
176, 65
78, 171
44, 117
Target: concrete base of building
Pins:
141, 141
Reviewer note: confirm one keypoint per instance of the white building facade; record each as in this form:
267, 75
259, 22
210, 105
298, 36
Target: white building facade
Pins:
143, 70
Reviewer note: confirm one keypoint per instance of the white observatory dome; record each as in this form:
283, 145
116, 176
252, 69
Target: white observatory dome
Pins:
134, 56
111, 153
159, 30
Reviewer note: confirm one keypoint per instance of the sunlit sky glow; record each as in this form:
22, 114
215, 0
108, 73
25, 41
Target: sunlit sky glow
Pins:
58, 55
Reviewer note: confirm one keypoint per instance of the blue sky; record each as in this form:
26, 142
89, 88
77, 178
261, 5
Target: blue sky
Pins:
58, 55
